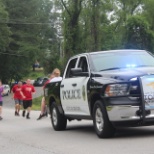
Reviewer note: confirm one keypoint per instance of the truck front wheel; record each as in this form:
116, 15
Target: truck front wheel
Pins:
58, 120
103, 127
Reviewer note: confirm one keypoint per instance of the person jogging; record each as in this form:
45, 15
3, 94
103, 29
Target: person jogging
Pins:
27, 91
16, 94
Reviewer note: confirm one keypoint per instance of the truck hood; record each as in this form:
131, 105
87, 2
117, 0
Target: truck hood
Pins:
123, 75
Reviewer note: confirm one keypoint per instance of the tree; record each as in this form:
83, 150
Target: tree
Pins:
148, 14
71, 13
138, 33
122, 10
90, 21
4, 41
53, 55
29, 22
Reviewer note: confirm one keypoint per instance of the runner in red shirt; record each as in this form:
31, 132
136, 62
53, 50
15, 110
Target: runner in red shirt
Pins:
27, 91
16, 91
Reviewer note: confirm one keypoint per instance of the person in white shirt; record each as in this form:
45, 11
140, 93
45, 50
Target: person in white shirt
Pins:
55, 77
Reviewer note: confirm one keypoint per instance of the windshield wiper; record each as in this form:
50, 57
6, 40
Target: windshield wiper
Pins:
112, 68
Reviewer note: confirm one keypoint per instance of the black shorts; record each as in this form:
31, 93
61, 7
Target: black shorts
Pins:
27, 103
1, 103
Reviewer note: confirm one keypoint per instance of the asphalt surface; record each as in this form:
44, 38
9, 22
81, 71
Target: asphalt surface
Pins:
21, 136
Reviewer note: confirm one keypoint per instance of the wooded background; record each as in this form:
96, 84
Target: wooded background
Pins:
50, 31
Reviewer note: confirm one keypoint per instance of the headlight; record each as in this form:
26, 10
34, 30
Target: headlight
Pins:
117, 90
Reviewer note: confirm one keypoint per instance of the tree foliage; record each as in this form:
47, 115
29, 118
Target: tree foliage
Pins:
4, 41
52, 31
31, 29
137, 32
71, 13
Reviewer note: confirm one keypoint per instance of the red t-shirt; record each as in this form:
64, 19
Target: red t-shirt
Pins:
17, 92
27, 91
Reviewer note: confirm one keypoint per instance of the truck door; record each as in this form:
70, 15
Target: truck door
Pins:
74, 89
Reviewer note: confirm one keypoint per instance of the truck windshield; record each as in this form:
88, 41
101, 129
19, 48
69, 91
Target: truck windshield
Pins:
118, 60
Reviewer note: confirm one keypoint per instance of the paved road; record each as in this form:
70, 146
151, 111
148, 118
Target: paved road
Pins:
21, 136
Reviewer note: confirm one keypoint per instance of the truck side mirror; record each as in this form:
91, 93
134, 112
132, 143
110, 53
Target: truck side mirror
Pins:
78, 72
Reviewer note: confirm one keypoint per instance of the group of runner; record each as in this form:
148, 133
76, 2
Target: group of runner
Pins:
22, 95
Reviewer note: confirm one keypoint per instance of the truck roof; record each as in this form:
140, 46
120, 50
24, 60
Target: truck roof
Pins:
108, 51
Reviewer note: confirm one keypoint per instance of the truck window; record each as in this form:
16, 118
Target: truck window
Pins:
83, 64
70, 66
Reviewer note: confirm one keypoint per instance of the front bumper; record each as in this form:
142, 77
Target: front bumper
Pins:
134, 108
123, 113
127, 115
123, 108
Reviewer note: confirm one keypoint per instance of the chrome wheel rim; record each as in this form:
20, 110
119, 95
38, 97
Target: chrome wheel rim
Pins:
54, 116
99, 119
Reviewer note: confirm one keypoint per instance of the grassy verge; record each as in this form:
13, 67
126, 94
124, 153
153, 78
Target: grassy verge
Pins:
34, 75
37, 103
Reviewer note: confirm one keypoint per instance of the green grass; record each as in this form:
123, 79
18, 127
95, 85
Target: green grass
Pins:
34, 75
37, 103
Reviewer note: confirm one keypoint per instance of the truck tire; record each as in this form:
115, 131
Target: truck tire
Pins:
102, 125
58, 120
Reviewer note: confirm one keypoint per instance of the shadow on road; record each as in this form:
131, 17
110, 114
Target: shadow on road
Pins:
82, 128
132, 132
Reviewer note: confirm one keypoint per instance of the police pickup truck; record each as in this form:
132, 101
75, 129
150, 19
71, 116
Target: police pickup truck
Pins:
112, 88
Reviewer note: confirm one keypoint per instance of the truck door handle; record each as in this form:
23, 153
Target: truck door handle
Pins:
62, 86
74, 84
